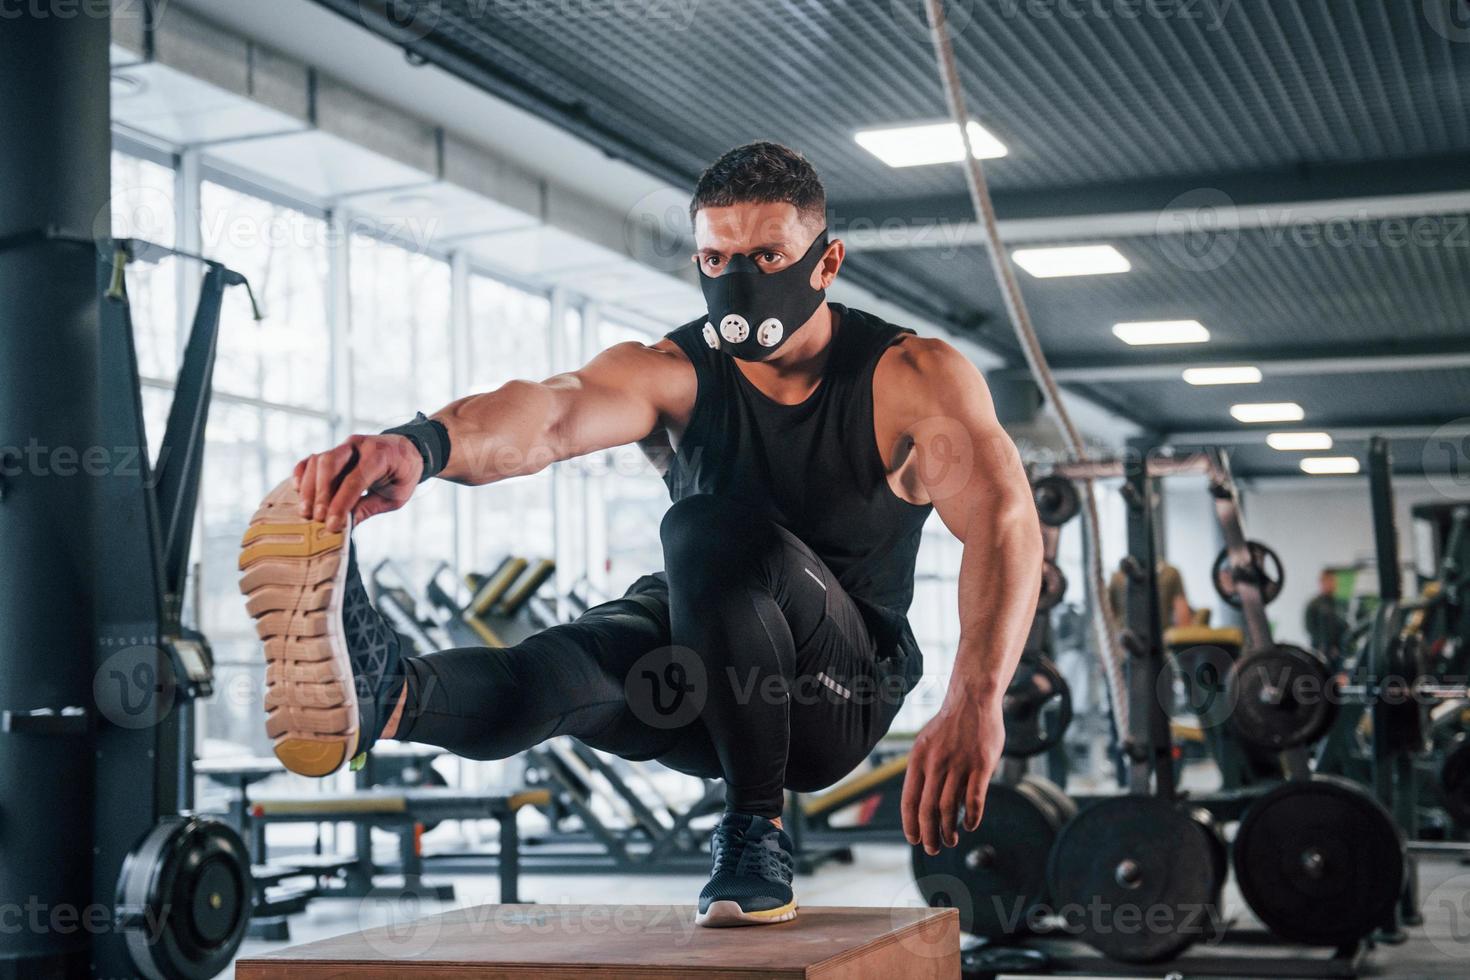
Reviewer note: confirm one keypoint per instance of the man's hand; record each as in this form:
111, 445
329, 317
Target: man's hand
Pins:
950, 766
365, 476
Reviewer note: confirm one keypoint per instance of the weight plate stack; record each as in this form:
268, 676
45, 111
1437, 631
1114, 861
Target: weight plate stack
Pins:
1138, 878
1066, 807
1320, 861
1265, 570
996, 877
183, 898
1053, 586
1280, 697
1056, 500
1037, 707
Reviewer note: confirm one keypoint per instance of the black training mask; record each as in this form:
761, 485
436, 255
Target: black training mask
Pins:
752, 313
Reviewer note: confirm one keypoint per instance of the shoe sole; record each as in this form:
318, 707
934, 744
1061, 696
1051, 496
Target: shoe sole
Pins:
729, 913
292, 575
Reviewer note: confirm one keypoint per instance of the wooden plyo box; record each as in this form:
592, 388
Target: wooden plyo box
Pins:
629, 942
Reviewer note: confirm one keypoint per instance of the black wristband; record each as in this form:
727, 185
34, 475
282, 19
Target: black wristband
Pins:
430, 438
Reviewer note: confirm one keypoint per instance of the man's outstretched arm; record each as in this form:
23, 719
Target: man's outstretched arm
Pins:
974, 476
522, 427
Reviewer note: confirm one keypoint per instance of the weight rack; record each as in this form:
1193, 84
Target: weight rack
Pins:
1148, 746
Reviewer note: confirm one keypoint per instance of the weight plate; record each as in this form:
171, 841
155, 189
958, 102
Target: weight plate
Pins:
1454, 779
1319, 861
1063, 805
1056, 500
1280, 697
1053, 586
1037, 708
183, 899
1134, 878
1219, 851
996, 877
1265, 569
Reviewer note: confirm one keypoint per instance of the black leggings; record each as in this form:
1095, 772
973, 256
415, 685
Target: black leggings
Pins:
745, 660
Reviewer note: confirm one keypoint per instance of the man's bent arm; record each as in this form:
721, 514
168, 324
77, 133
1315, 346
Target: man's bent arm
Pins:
974, 475
520, 428
524, 426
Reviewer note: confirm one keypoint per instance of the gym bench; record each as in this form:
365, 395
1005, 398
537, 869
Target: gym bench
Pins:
406, 812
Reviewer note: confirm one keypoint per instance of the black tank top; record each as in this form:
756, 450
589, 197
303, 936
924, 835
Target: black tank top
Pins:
814, 468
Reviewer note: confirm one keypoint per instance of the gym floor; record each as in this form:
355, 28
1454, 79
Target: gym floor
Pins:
880, 876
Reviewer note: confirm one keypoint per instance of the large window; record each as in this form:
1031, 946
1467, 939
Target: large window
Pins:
143, 207
630, 493
286, 357
401, 363
510, 338
400, 333
935, 619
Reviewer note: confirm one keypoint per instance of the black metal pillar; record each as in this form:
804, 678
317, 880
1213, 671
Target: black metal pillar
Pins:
54, 172
1150, 743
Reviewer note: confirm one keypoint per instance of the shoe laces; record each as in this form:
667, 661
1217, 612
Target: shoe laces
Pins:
728, 845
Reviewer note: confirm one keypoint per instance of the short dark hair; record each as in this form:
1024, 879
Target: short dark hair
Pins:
762, 172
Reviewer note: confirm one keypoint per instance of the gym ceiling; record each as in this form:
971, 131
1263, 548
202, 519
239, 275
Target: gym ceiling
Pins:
1293, 174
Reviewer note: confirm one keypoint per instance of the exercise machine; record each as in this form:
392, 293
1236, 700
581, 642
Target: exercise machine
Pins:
99, 674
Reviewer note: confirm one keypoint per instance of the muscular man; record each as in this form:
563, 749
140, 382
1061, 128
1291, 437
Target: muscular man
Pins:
805, 444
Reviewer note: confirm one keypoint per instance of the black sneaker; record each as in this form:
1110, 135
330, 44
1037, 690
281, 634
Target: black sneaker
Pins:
751, 881
333, 669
